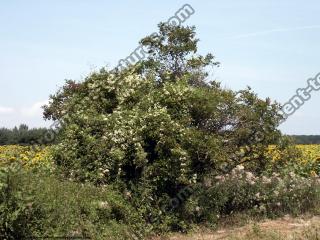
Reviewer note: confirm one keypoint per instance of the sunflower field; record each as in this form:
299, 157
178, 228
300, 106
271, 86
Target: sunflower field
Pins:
28, 156
36, 156
311, 157
308, 162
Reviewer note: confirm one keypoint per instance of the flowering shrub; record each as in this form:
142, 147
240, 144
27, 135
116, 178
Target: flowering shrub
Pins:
159, 127
242, 190
156, 140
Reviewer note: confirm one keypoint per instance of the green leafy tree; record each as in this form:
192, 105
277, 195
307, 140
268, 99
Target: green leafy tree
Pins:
172, 55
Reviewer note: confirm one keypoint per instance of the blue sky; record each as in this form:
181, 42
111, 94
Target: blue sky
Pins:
270, 45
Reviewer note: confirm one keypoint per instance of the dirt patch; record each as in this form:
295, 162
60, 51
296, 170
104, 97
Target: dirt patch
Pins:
285, 227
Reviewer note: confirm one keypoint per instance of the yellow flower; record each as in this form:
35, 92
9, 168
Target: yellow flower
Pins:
313, 174
31, 156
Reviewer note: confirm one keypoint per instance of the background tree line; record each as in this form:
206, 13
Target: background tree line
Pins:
307, 139
22, 135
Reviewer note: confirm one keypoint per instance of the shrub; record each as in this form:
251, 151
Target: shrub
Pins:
38, 205
71, 209
17, 211
243, 191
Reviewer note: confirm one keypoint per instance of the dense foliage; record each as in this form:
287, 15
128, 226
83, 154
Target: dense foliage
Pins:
159, 127
36, 202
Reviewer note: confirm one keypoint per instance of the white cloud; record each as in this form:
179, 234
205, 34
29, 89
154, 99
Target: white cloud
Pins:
34, 110
30, 115
6, 110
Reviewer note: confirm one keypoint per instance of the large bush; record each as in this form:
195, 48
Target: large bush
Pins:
159, 126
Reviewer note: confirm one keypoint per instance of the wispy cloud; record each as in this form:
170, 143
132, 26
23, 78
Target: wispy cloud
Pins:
33, 110
30, 115
271, 31
6, 110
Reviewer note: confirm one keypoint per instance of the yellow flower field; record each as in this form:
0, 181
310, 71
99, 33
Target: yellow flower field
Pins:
311, 155
310, 159
310, 152
29, 156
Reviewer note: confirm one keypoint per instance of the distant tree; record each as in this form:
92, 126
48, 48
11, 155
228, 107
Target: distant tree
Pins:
5, 136
306, 139
23, 135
